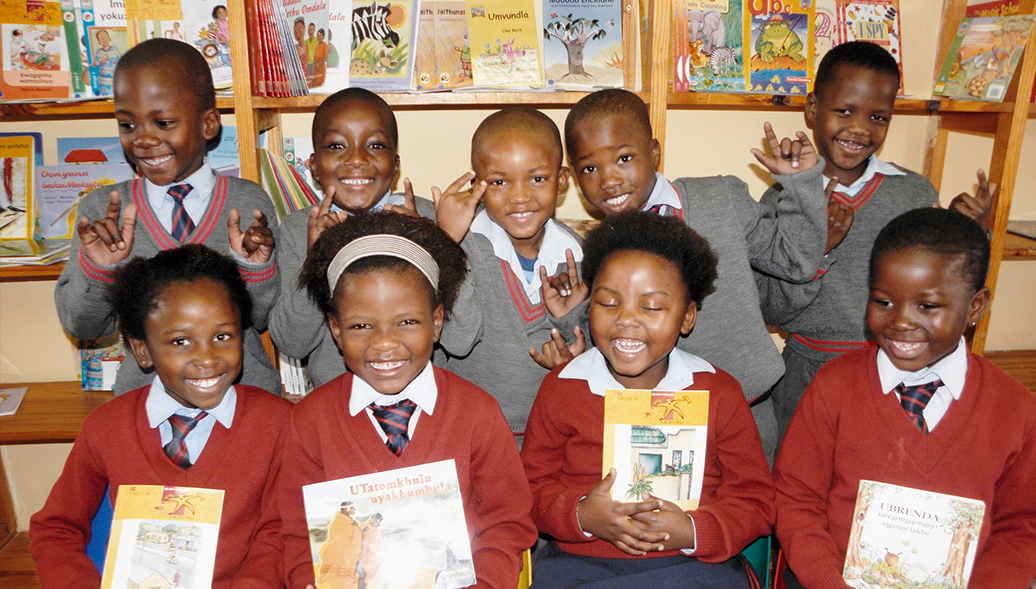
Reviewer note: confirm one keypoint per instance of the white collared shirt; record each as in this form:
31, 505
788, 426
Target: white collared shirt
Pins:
874, 166
160, 406
663, 194
422, 391
202, 182
952, 370
551, 255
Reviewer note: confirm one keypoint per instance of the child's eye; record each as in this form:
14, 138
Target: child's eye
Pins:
587, 169
879, 118
540, 179
180, 341
223, 337
126, 127
334, 145
928, 306
410, 322
881, 302
377, 145
496, 182
358, 326
165, 124
625, 158
843, 112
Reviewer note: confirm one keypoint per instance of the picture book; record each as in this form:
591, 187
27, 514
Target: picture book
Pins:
708, 53
903, 537
397, 528
779, 47
107, 39
452, 44
10, 399
37, 142
163, 537
655, 440
383, 36
34, 52
996, 8
296, 151
320, 31
426, 68
874, 21
99, 361
17, 198
825, 33
90, 150
982, 58
224, 158
60, 188
582, 46
505, 43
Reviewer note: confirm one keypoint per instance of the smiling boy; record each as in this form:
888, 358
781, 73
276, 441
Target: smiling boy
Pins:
972, 434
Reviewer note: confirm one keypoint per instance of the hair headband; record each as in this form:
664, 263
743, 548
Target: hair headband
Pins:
383, 245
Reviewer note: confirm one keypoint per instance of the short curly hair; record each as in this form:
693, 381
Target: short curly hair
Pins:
356, 95
449, 256
858, 53
605, 103
516, 117
666, 237
140, 283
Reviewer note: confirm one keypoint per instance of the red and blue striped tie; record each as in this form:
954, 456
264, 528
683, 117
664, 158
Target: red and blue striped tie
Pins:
176, 449
182, 223
915, 398
395, 422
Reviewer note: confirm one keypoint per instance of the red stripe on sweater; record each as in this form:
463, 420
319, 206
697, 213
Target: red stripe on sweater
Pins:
249, 276
208, 222
860, 198
92, 270
146, 215
528, 311
831, 346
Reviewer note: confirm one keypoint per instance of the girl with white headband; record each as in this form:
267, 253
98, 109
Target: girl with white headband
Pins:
386, 282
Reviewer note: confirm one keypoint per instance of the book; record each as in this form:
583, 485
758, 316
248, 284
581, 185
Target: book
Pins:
505, 46
903, 537
996, 8
11, 399
708, 53
779, 47
99, 361
107, 39
287, 188
297, 150
60, 188
90, 150
655, 440
825, 30
981, 60
874, 21
383, 35
1023, 228
34, 52
163, 537
72, 15
426, 67
582, 47
398, 528
17, 197
42, 252
37, 139
326, 33
442, 60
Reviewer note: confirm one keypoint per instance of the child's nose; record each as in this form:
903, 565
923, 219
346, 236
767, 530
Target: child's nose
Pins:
385, 340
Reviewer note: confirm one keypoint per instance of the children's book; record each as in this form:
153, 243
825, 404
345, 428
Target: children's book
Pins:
655, 440
287, 188
903, 537
72, 15
325, 33
779, 47
874, 21
825, 30
397, 528
582, 47
107, 39
996, 8
982, 58
505, 45
708, 53
90, 150
60, 188
34, 52
37, 140
291, 63
99, 361
453, 47
224, 158
11, 399
297, 151
163, 537
383, 36
17, 198
426, 68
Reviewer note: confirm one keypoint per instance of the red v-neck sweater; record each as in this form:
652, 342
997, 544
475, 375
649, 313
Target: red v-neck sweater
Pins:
326, 443
117, 447
845, 430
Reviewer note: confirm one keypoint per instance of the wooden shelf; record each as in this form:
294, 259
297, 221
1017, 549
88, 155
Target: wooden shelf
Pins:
50, 413
101, 107
789, 102
31, 273
1018, 247
435, 100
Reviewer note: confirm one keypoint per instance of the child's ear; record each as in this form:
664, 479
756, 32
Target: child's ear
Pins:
210, 123
562, 180
140, 352
978, 305
438, 317
336, 332
811, 109
656, 152
689, 318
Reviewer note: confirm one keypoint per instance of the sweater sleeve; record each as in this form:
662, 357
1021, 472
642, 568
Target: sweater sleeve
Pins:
261, 280
803, 475
782, 301
504, 505
785, 236
743, 507
59, 533
296, 323
464, 328
302, 465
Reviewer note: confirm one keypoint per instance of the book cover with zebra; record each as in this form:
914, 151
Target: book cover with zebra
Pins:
382, 39
708, 53
505, 43
582, 47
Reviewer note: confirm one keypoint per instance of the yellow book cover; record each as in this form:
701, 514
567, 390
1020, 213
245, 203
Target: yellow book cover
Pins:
17, 201
504, 40
655, 440
779, 45
163, 537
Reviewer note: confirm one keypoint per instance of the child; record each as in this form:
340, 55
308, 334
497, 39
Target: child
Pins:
386, 312
614, 156
648, 275
513, 245
183, 313
355, 162
976, 438
165, 106
849, 111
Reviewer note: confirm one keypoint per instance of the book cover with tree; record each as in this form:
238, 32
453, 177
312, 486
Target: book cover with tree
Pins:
582, 44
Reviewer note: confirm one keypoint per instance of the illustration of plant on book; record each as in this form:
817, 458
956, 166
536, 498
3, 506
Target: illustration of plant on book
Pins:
583, 47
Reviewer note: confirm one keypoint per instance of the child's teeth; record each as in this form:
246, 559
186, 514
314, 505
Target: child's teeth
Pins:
628, 346
357, 181
617, 200
206, 383
158, 160
386, 365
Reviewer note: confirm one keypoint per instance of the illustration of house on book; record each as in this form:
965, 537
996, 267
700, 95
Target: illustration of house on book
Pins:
86, 156
144, 577
663, 462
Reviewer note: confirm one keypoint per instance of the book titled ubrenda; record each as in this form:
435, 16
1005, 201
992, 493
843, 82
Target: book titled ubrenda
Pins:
163, 537
398, 528
656, 442
903, 537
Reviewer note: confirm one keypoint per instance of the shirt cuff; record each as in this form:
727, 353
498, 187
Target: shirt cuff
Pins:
585, 533
691, 551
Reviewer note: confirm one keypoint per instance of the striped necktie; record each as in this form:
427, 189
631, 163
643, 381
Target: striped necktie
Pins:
182, 223
176, 449
914, 399
395, 421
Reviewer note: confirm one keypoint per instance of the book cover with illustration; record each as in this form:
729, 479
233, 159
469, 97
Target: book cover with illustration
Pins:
90, 150
107, 39
382, 45
425, 67
505, 43
903, 537
397, 528
981, 60
204, 24
17, 196
453, 47
72, 15
708, 53
60, 188
825, 29
655, 440
321, 33
779, 47
34, 52
582, 47
163, 537
874, 21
